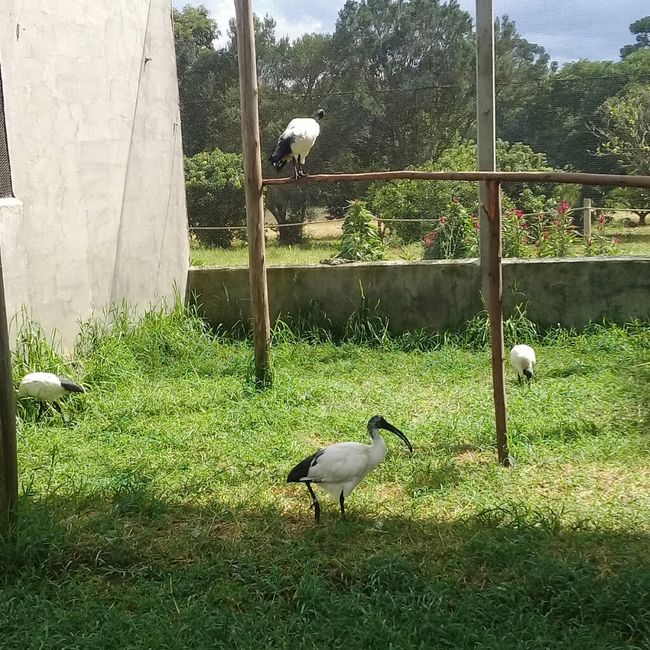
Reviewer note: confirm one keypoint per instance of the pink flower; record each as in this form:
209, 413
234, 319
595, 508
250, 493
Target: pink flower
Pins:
563, 207
442, 221
601, 220
519, 214
430, 238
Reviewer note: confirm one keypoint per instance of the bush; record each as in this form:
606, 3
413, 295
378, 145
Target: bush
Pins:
360, 239
425, 200
214, 185
455, 235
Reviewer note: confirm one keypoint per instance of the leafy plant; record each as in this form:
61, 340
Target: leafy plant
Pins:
425, 201
360, 241
555, 233
599, 243
515, 234
214, 184
454, 235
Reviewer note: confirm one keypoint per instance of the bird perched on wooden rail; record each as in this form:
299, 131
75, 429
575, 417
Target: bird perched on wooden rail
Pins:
339, 468
47, 387
296, 142
522, 360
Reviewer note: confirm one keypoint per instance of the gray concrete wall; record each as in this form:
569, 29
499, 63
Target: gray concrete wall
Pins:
91, 104
436, 295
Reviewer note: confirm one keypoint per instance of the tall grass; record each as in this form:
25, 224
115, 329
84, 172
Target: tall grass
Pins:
158, 517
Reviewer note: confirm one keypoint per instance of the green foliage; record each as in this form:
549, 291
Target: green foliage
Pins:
515, 234
624, 134
455, 235
214, 183
360, 241
423, 200
641, 30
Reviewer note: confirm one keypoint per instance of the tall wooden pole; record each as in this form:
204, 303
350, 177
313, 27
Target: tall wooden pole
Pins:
485, 121
8, 458
495, 306
250, 129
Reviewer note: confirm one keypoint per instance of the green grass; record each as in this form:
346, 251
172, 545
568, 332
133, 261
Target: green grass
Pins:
312, 251
158, 517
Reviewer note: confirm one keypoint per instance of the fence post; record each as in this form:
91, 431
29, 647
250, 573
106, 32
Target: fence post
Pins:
485, 122
586, 219
495, 306
250, 129
8, 453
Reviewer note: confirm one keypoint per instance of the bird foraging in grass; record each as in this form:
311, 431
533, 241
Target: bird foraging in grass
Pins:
522, 360
339, 468
47, 387
296, 142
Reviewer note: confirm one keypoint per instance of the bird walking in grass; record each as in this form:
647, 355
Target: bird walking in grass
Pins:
522, 360
296, 142
339, 468
47, 387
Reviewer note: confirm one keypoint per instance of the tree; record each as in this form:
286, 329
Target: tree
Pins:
214, 185
641, 29
626, 136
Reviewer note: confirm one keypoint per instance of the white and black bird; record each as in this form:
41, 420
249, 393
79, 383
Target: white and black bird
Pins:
339, 468
296, 142
47, 387
522, 360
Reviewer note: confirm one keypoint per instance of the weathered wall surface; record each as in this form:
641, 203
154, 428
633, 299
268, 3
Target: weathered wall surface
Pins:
436, 295
94, 136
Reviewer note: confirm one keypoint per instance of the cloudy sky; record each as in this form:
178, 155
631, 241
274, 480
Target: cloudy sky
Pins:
567, 29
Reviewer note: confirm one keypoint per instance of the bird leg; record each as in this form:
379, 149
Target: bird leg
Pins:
295, 168
342, 504
314, 502
301, 168
41, 408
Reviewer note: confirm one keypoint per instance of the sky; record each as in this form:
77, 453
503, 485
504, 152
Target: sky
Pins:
568, 29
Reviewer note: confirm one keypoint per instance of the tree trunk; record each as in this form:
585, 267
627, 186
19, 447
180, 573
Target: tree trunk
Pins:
642, 216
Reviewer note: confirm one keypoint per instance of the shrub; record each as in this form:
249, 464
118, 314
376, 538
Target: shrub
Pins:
360, 239
453, 236
425, 200
214, 185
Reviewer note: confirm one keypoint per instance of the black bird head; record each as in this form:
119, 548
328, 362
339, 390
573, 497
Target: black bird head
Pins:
378, 422
528, 372
319, 114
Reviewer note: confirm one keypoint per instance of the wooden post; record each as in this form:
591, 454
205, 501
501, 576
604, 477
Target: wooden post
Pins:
250, 129
485, 122
495, 305
586, 219
8, 457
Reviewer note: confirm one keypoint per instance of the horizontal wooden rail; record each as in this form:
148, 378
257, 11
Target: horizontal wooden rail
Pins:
575, 178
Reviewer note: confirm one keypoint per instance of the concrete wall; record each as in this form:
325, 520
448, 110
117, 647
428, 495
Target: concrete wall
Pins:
437, 295
91, 104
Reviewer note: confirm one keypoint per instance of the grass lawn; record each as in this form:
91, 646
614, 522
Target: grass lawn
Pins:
321, 241
158, 516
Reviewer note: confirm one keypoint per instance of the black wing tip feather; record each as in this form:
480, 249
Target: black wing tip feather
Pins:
70, 386
301, 470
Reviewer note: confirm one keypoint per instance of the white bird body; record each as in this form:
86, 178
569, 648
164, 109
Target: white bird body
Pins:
522, 360
303, 133
339, 468
295, 142
46, 386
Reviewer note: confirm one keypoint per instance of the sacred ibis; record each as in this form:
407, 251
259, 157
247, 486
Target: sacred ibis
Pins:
47, 387
522, 360
339, 468
296, 142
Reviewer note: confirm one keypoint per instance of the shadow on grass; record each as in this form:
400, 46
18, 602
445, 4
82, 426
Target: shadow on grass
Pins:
213, 575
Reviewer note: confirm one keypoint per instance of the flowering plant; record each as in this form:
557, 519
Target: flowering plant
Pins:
453, 236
